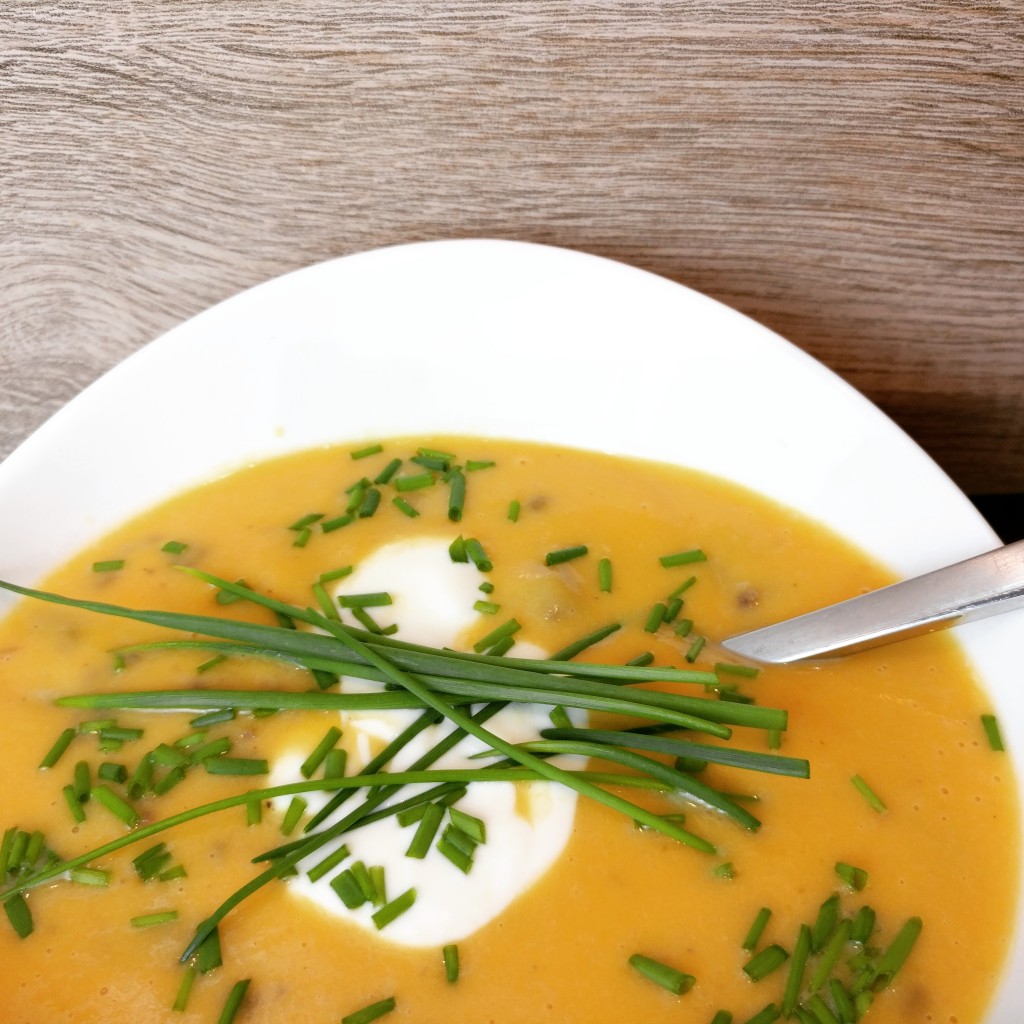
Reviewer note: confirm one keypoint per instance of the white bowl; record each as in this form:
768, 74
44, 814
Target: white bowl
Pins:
500, 339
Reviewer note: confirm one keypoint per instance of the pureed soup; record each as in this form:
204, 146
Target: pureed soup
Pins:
882, 886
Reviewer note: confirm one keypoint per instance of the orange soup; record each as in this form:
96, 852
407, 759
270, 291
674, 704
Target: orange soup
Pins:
907, 811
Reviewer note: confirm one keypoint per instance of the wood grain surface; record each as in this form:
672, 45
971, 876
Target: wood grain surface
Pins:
850, 174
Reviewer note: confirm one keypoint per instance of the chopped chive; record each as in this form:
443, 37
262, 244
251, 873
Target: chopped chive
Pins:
306, 521
514, 508
253, 812
457, 550
334, 763
174, 547
682, 588
874, 801
854, 877
57, 751
385, 475
454, 836
156, 918
991, 726
34, 848
642, 659
330, 525
561, 555
773, 738
171, 874
435, 453
672, 610
450, 955
460, 858
335, 574
410, 815
425, 831
328, 864
212, 663
438, 465
722, 1017
683, 627
456, 496
683, 558
208, 954
487, 587
604, 575
362, 876
404, 507
90, 876
118, 807
500, 633
472, 465
83, 780
233, 1001
377, 599
413, 482
213, 718
184, 990
320, 751
503, 646
371, 449
770, 959
355, 495
472, 826
797, 965
19, 915
377, 877
570, 651
757, 929
120, 732
371, 1012
477, 555
368, 506
348, 889
324, 600
669, 978
486, 607
730, 669
236, 765
74, 804
560, 717
229, 596
863, 925
695, 648
830, 954
302, 538
97, 725
655, 617
169, 781
896, 955
841, 1000
726, 870
292, 816
825, 924
390, 911
110, 565
215, 748
363, 617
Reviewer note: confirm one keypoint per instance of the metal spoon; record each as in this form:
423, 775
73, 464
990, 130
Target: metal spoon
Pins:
985, 585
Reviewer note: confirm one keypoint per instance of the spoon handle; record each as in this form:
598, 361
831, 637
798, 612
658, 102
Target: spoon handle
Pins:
984, 585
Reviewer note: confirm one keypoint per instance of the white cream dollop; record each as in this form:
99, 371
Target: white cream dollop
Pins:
528, 824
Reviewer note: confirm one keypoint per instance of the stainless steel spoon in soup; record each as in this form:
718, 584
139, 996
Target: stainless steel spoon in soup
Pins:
985, 585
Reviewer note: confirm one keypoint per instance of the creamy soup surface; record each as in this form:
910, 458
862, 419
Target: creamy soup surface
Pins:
906, 719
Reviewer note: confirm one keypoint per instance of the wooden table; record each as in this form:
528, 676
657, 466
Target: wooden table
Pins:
850, 174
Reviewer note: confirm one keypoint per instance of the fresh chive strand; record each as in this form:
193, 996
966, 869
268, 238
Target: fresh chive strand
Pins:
370, 1013
580, 645
233, 1002
450, 957
59, 748
320, 751
370, 449
757, 928
896, 954
670, 978
188, 979
797, 966
425, 832
683, 558
874, 801
568, 554
153, 920
990, 724
393, 910
604, 575
830, 955
768, 960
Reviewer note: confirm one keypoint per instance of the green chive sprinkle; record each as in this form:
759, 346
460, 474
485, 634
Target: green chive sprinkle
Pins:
797, 965
695, 648
414, 482
486, 607
385, 475
830, 955
404, 507
335, 574
722, 1017
642, 659
825, 924
118, 807
253, 812
456, 496
604, 575
873, 799
450, 955
152, 920
110, 565
292, 817
757, 929
728, 668
319, 754
330, 525
855, 878
57, 751
896, 955
306, 521
472, 826
770, 959
379, 885
726, 870
682, 588
74, 804
213, 718
672, 610
513, 511
90, 876
184, 990
236, 765
377, 599
334, 763
768, 1015
570, 651
560, 717
561, 555
233, 1002
368, 506
683, 627
661, 974
863, 925
371, 449
174, 547
473, 465
462, 859
425, 831
362, 876
500, 633
328, 864
370, 1013
390, 911
991, 726
683, 558
477, 555
655, 617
